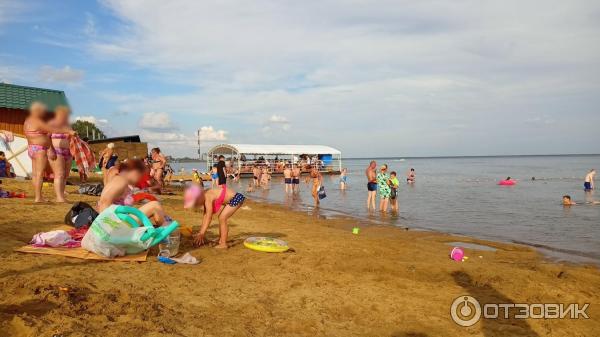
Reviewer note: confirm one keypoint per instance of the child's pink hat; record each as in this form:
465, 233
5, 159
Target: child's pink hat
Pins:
191, 195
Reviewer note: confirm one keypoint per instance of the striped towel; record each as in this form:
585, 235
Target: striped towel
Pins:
83, 155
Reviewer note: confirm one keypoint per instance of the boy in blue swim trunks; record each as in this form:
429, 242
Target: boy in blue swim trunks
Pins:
371, 173
588, 185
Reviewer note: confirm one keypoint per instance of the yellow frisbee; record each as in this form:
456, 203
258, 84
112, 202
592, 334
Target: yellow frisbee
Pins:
266, 244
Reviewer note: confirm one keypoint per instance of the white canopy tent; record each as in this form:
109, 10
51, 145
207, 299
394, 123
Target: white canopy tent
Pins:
239, 153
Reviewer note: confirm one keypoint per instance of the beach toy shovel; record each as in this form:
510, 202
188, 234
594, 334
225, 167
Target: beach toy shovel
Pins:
355, 230
457, 254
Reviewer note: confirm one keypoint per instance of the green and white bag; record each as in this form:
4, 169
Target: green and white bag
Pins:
116, 233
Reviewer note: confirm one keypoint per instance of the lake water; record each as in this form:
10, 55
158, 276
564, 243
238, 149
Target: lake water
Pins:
461, 196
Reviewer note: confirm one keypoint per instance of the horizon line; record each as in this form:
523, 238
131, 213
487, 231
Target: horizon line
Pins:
454, 156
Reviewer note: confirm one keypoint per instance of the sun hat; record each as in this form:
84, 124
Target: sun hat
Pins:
191, 195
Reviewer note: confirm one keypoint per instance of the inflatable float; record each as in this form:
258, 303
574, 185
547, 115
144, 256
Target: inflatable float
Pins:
507, 182
143, 197
265, 244
16, 153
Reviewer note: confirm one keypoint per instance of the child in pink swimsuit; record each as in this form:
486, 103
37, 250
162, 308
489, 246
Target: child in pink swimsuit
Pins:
224, 202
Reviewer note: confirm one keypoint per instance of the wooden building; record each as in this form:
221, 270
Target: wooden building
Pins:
15, 101
126, 147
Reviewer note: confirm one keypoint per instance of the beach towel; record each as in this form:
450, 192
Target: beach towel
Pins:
82, 154
56, 238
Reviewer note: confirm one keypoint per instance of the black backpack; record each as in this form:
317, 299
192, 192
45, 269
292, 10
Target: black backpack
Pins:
81, 214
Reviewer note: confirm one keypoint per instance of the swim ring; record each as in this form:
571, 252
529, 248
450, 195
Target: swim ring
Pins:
507, 182
266, 244
138, 197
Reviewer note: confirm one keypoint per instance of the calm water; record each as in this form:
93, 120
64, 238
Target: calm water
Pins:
460, 196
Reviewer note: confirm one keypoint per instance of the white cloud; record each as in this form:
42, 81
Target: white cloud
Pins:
278, 119
90, 25
412, 68
96, 121
8, 74
276, 122
156, 121
62, 75
178, 143
102, 124
208, 133
11, 11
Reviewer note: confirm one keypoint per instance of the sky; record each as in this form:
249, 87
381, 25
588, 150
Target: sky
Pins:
371, 78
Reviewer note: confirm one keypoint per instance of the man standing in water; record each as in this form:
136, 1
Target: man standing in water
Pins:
317, 180
296, 178
371, 174
588, 185
256, 175
287, 178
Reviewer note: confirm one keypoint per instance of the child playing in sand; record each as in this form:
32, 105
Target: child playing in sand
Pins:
224, 202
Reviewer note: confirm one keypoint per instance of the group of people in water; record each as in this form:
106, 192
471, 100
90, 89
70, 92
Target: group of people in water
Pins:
385, 184
588, 187
261, 177
49, 146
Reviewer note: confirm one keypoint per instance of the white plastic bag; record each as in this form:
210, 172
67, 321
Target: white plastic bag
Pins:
110, 236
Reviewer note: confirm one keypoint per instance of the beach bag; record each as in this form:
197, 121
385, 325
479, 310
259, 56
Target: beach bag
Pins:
322, 194
115, 233
81, 214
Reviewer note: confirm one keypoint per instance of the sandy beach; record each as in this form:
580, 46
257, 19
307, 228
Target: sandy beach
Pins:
384, 281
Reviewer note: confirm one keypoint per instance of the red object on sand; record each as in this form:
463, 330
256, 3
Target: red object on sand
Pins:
143, 196
144, 182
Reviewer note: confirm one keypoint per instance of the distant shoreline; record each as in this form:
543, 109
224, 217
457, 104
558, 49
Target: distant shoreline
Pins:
437, 157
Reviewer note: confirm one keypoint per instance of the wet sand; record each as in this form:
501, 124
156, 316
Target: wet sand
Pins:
382, 282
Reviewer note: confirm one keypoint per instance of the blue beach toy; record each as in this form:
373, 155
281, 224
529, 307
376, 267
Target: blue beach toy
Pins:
115, 232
